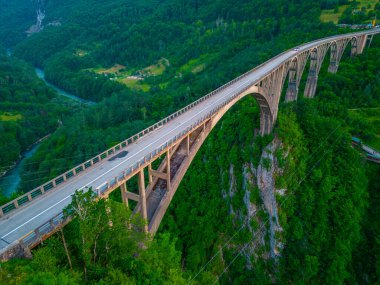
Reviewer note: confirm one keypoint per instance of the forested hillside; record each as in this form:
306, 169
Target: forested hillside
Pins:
193, 36
214, 42
300, 206
326, 197
28, 109
330, 191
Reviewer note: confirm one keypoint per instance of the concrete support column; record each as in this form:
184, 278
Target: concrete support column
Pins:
168, 183
336, 53
123, 188
150, 173
362, 41
142, 193
292, 91
369, 39
354, 47
333, 67
266, 123
188, 145
311, 85
312, 78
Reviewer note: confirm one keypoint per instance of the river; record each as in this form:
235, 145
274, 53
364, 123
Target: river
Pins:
10, 182
41, 74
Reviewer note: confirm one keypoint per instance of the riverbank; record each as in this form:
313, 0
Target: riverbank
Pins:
10, 180
41, 75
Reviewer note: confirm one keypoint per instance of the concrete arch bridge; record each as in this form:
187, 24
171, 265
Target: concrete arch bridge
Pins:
32, 217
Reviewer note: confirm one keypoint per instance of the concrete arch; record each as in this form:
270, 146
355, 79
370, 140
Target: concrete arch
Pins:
177, 139
267, 116
155, 216
266, 113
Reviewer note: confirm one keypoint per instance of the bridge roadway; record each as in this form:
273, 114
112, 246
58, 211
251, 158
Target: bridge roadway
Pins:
27, 218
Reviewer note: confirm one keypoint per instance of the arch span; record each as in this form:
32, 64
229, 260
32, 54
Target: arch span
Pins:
177, 137
179, 158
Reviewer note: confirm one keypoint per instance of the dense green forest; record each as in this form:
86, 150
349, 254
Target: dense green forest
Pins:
183, 32
328, 214
222, 41
218, 227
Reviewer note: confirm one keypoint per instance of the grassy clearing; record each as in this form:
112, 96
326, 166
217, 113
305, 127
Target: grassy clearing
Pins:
372, 117
10, 117
116, 69
333, 16
196, 65
131, 78
367, 3
134, 83
155, 69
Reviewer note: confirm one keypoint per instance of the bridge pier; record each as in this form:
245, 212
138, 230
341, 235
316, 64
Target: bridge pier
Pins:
168, 183
292, 91
336, 52
124, 197
316, 59
142, 193
153, 200
358, 45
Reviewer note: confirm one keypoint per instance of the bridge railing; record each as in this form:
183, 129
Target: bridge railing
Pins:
52, 184
35, 236
101, 189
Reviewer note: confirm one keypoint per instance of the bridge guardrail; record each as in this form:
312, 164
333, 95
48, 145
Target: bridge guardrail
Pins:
34, 237
57, 220
47, 186
41, 190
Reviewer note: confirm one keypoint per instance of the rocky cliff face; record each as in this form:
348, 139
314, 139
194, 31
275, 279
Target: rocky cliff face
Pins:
266, 173
40, 16
261, 207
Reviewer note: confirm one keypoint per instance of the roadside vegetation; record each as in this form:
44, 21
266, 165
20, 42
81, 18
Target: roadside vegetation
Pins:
328, 206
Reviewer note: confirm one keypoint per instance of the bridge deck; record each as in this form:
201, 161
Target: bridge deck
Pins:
27, 218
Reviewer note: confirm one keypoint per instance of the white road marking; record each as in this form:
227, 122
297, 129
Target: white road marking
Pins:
228, 94
303, 48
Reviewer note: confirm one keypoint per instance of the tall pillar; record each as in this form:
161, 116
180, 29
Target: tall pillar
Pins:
188, 144
292, 91
142, 193
333, 67
311, 84
316, 60
150, 173
123, 188
312, 78
362, 40
354, 47
337, 50
369, 39
266, 124
168, 182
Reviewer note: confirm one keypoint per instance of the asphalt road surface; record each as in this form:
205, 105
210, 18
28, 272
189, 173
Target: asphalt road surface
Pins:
27, 218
